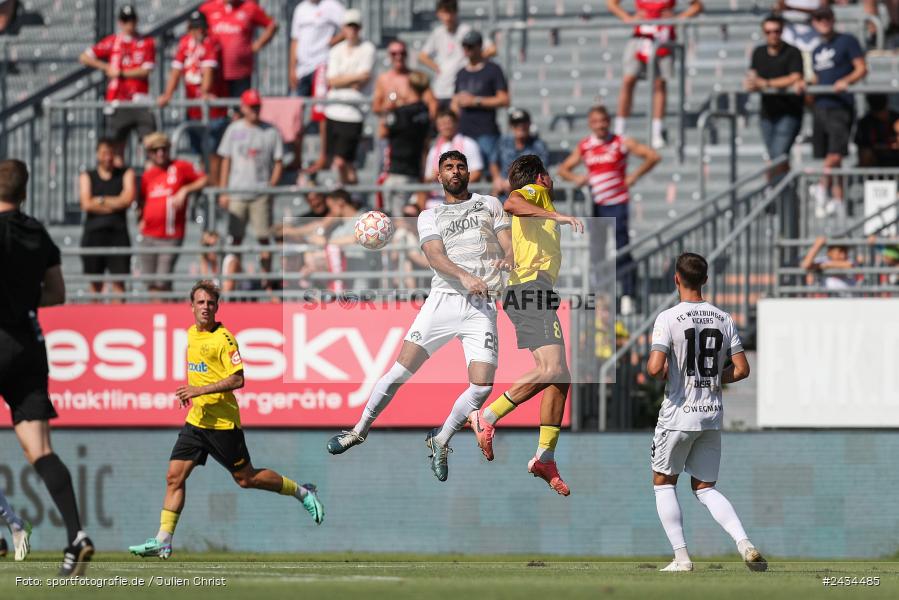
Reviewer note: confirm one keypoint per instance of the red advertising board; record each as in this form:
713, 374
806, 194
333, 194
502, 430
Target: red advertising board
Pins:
118, 366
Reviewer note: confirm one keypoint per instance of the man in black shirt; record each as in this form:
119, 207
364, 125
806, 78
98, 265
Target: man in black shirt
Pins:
481, 88
408, 127
775, 68
31, 276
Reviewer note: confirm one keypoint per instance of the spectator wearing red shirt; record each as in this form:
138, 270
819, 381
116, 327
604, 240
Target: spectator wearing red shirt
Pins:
165, 187
198, 60
233, 22
127, 59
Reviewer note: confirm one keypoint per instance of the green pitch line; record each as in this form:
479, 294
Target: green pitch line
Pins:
197, 576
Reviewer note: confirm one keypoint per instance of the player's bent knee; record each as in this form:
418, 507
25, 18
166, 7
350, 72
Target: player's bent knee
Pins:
246, 481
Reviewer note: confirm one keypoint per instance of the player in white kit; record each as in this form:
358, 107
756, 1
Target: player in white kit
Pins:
468, 243
691, 344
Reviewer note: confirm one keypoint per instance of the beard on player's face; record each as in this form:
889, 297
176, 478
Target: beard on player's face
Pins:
455, 183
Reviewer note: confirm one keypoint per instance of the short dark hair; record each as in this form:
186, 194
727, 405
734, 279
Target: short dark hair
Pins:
106, 141
599, 108
341, 194
524, 170
692, 269
13, 181
773, 18
207, 286
451, 155
446, 112
451, 6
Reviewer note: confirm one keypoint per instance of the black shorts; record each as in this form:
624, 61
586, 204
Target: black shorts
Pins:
831, 128
531, 307
117, 264
342, 139
123, 121
23, 373
227, 446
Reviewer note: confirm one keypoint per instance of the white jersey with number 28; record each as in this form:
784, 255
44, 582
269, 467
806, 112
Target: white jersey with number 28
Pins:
697, 337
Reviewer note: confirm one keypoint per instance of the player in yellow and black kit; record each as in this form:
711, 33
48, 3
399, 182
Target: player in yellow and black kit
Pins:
531, 303
214, 371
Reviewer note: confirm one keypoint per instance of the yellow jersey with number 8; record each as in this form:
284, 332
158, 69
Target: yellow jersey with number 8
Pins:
211, 357
536, 243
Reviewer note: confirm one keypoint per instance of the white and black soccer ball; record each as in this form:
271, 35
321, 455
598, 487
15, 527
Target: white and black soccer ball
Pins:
374, 230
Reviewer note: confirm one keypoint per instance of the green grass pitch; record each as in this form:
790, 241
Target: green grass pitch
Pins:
197, 576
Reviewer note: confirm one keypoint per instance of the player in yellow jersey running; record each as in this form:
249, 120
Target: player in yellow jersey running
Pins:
214, 371
531, 302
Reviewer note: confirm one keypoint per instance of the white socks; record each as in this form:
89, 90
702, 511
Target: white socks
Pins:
657, 127
619, 125
545, 455
470, 400
722, 512
9, 515
670, 516
381, 395
301, 492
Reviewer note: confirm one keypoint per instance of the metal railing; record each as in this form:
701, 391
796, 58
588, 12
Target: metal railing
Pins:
871, 277
746, 242
708, 116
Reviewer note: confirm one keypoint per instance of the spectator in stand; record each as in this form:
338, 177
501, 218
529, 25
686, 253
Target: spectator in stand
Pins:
166, 187
777, 66
835, 257
350, 65
8, 10
408, 125
393, 89
442, 52
106, 193
840, 62
449, 138
636, 59
604, 154
316, 27
412, 258
877, 134
480, 89
342, 253
251, 152
798, 30
233, 23
198, 60
509, 147
127, 59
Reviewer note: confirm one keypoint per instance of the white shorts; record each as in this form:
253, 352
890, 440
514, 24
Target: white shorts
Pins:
469, 318
696, 452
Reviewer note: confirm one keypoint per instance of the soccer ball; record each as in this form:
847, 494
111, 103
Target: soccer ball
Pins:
373, 230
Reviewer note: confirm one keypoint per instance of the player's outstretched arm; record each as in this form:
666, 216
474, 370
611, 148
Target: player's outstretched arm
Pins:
435, 252
516, 205
738, 370
657, 365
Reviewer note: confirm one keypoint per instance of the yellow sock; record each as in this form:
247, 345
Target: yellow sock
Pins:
168, 520
498, 409
546, 445
288, 487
